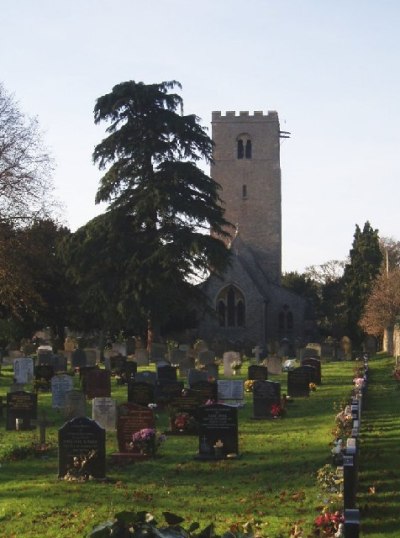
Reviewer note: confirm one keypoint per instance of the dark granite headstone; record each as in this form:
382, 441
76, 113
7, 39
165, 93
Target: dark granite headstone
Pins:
21, 405
128, 372
315, 363
298, 381
140, 393
97, 384
265, 395
184, 411
43, 374
206, 390
166, 390
130, 419
81, 449
218, 424
256, 371
166, 373
78, 358
194, 376
146, 376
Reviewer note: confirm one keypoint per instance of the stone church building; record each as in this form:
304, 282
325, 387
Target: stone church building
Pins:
249, 304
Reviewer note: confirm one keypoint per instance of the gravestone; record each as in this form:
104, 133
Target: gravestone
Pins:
146, 376
60, 385
206, 391
23, 370
75, 404
205, 357
315, 363
127, 373
185, 365
78, 358
21, 407
298, 382
43, 374
117, 364
104, 412
158, 351
212, 370
346, 348
177, 356
119, 348
166, 373
312, 349
265, 395
59, 363
45, 357
184, 413
194, 376
256, 371
218, 425
229, 358
200, 347
91, 356
81, 450
167, 390
141, 393
229, 389
132, 418
142, 357
16, 387
274, 365
97, 384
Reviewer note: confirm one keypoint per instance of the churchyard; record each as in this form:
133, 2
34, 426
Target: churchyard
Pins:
253, 458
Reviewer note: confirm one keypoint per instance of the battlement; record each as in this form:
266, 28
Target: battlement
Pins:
258, 115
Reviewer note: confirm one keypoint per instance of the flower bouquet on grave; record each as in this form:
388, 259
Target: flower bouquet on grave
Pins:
236, 366
219, 449
183, 422
147, 441
277, 411
327, 524
248, 385
312, 387
343, 424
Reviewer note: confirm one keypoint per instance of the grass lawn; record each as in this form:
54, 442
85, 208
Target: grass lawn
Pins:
273, 483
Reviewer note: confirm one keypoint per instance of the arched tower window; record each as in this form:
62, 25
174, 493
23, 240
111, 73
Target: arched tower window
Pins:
244, 147
231, 307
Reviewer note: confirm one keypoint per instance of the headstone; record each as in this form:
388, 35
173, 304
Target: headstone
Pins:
59, 363
315, 363
229, 389
352, 523
132, 418
167, 390
142, 357
81, 450
212, 370
60, 385
194, 376
346, 348
91, 356
16, 387
257, 350
43, 374
97, 384
200, 347
184, 412
274, 365
78, 358
158, 351
166, 373
177, 356
218, 432
185, 364
104, 412
265, 395
205, 357
312, 349
75, 404
23, 370
141, 393
119, 348
207, 391
127, 373
45, 356
298, 382
21, 409
256, 371
229, 358
146, 376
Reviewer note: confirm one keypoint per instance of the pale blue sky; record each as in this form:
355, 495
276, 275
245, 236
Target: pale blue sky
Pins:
330, 68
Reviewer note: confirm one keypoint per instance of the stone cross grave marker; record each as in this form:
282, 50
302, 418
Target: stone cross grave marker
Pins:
229, 358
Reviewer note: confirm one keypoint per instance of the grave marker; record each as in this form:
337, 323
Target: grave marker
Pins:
75, 404
256, 371
298, 382
265, 395
23, 370
218, 432
104, 412
21, 406
60, 385
131, 418
82, 450
229, 389
141, 393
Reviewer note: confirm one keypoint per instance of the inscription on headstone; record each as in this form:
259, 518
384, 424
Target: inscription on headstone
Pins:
21, 406
218, 428
60, 385
265, 395
104, 412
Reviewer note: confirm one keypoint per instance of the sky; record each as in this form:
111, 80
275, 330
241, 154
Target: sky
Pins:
329, 68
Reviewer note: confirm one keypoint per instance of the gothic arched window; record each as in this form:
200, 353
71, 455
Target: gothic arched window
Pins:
285, 320
231, 307
248, 149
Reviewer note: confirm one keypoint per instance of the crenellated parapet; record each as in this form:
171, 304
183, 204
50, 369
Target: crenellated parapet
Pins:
258, 115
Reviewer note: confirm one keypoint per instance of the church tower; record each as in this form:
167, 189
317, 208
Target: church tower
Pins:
247, 166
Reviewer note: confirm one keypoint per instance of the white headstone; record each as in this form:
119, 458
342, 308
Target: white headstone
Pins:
104, 412
230, 357
274, 365
23, 370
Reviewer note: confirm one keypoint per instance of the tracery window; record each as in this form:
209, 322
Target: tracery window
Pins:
231, 307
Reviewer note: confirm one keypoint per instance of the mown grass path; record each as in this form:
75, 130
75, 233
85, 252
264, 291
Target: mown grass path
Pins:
379, 486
